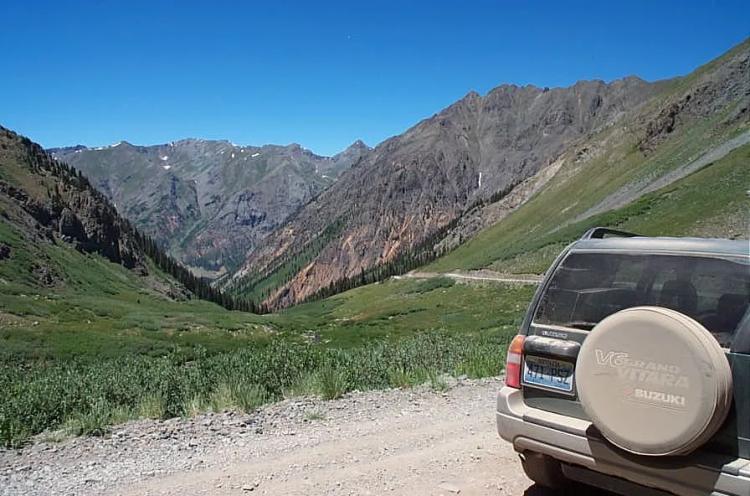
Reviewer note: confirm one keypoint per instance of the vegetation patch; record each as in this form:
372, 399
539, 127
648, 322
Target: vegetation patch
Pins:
433, 283
86, 397
712, 200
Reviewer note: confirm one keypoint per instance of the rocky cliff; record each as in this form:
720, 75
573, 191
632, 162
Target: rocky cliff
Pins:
209, 202
480, 151
47, 201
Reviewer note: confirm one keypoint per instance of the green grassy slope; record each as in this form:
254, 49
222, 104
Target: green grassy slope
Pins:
710, 202
399, 308
616, 159
545, 220
103, 311
97, 307
107, 348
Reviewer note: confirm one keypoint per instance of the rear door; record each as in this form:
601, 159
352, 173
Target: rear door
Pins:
587, 286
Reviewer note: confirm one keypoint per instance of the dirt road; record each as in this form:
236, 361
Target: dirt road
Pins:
478, 275
406, 442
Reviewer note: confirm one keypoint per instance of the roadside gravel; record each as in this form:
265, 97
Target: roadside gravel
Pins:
415, 441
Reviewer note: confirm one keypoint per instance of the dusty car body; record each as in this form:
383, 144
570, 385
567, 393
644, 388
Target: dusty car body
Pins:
619, 427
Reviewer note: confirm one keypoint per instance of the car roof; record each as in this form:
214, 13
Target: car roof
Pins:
636, 244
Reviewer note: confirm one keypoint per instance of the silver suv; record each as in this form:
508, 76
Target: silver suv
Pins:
631, 371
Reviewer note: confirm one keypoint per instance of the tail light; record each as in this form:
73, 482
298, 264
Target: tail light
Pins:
513, 362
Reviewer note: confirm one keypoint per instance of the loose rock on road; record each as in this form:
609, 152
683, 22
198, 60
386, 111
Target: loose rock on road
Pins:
409, 442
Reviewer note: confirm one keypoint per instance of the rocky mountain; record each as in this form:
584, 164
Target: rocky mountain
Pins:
59, 232
44, 201
436, 183
208, 202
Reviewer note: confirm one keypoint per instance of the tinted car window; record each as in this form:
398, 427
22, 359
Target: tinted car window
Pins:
587, 287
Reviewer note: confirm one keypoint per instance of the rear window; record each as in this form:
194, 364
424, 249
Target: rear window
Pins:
587, 287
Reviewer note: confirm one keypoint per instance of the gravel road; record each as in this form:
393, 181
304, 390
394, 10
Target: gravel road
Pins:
477, 275
412, 442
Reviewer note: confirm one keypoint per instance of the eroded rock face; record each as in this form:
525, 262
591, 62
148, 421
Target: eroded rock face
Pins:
70, 226
209, 202
5, 251
412, 185
66, 209
711, 92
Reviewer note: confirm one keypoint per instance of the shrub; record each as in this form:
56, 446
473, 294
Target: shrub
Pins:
221, 398
92, 422
331, 382
305, 385
427, 285
195, 406
152, 407
248, 397
406, 378
438, 382
87, 396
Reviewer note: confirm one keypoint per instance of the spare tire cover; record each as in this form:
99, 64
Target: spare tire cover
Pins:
653, 381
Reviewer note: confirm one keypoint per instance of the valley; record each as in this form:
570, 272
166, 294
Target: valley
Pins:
100, 326
208, 203
525, 163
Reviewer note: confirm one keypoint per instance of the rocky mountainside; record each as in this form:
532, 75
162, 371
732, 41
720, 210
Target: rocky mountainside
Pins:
45, 202
413, 187
208, 202
59, 232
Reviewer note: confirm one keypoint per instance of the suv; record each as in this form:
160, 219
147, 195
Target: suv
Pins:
631, 371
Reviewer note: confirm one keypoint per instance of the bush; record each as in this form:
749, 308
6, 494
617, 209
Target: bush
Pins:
248, 397
406, 378
92, 422
331, 382
221, 398
427, 285
152, 407
195, 406
87, 396
305, 385
438, 382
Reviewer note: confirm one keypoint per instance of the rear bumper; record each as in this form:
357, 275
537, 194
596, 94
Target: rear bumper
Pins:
575, 442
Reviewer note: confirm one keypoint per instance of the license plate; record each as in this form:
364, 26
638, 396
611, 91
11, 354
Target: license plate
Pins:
548, 373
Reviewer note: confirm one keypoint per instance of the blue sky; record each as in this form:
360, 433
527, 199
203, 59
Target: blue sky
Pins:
318, 73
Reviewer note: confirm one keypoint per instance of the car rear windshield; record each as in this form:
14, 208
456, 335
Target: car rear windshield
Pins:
587, 287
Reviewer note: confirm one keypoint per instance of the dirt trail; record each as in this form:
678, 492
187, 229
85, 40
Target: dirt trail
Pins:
408, 442
478, 275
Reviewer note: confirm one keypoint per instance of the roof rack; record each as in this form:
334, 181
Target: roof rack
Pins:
603, 232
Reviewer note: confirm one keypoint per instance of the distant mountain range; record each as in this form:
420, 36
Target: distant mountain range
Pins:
52, 220
466, 168
208, 203
281, 224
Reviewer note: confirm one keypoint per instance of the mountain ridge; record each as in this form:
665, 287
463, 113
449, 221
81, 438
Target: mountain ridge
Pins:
413, 185
464, 135
208, 202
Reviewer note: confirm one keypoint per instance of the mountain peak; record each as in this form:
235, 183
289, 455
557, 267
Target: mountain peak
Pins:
358, 145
